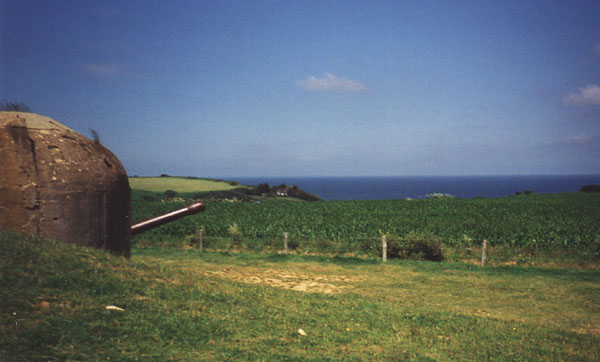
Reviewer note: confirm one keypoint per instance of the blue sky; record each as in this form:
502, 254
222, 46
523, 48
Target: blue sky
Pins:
323, 88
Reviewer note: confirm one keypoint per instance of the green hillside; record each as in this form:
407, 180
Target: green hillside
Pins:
180, 184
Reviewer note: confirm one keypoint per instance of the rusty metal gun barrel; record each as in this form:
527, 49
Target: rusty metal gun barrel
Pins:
154, 222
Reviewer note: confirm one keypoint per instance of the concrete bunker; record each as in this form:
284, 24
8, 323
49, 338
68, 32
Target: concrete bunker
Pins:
57, 184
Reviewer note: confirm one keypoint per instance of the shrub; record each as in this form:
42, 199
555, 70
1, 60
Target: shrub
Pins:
371, 246
263, 188
260, 190
526, 192
234, 231
14, 107
194, 239
237, 194
416, 246
590, 188
170, 194
95, 136
295, 191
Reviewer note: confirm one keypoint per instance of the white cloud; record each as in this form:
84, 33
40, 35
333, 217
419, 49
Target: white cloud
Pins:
101, 70
586, 95
331, 82
578, 140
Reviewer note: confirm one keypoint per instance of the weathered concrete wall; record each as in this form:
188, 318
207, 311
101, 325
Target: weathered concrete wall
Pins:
57, 184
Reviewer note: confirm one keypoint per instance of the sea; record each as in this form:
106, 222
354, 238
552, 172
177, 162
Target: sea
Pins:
415, 187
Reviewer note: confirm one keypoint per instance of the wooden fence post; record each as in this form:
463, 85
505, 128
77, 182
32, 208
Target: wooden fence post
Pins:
484, 253
383, 248
285, 243
201, 240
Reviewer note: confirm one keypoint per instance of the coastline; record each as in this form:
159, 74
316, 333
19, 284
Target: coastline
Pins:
402, 187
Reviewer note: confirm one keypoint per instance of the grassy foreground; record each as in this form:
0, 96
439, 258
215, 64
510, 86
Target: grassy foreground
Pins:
186, 305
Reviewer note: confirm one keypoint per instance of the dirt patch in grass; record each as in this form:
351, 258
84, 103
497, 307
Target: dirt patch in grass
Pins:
327, 284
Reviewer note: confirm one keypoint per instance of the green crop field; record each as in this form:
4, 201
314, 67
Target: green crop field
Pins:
176, 304
560, 223
179, 184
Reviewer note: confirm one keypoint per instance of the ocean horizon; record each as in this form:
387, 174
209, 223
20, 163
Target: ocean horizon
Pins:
402, 187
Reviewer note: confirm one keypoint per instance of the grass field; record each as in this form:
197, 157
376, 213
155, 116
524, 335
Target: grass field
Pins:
186, 305
179, 184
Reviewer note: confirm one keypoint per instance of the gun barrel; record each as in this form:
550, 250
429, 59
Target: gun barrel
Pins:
154, 222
